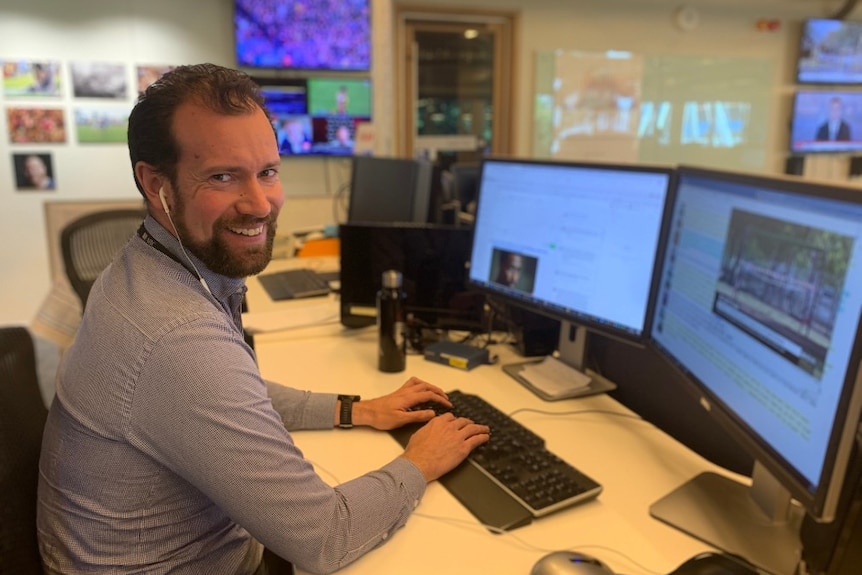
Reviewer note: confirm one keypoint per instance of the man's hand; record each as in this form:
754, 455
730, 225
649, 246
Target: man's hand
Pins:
444, 442
393, 410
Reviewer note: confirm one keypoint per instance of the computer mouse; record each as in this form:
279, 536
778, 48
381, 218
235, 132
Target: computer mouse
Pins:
715, 563
569, 563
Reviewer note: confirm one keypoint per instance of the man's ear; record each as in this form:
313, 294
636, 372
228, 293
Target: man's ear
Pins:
151, 181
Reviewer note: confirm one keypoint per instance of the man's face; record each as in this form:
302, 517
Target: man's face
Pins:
512, 269
835, 111
295, 131
228, 192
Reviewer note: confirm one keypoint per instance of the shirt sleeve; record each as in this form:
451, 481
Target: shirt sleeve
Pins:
302, 409
208, 418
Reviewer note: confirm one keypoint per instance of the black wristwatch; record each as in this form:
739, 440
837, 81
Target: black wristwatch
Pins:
345, 420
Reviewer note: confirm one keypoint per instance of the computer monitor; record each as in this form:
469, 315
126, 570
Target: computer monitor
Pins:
433, 262
758, 307
386, 189
574, 241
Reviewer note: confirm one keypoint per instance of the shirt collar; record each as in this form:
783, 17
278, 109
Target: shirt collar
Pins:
221, 286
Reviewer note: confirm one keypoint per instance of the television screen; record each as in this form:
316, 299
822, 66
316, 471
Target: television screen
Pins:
830, 52
826, 121
303, 34
316, 116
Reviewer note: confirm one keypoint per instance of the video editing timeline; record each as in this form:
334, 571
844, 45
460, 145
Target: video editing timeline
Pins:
586, 237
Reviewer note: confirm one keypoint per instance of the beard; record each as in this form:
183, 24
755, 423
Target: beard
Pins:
216, 254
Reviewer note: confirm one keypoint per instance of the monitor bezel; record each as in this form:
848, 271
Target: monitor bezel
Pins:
577, 319
820, 503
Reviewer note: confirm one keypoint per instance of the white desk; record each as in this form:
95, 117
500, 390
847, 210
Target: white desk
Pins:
634, 461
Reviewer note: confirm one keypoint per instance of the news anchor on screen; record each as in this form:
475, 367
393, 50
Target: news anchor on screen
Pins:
826, 122
834, 129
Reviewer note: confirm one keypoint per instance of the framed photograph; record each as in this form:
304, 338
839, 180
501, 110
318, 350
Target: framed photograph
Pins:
32, 79
34, 171
147, 74
36, 125
101, 124
99, 80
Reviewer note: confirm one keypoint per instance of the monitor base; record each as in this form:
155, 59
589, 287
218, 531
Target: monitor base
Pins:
721, 512
598, 384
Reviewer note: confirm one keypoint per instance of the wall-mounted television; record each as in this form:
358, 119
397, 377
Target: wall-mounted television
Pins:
826, 122
316, 116
830, 52
303, 35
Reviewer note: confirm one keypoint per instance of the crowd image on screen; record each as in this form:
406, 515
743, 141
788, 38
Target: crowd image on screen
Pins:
304, 34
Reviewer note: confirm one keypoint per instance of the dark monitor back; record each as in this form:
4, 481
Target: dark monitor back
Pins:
384, 189
466, 182
432, 260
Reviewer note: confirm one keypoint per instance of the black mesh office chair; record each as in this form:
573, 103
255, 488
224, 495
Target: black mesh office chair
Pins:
22, 418
89, 243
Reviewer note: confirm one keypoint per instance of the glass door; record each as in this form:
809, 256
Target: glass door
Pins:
454, 86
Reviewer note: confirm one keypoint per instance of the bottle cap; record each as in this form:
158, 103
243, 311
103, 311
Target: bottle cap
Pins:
391, 279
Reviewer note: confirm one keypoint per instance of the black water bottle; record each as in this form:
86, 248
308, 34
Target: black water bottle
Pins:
392, 347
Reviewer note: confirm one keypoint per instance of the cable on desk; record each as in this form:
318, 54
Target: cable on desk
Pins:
523, 544
634, 416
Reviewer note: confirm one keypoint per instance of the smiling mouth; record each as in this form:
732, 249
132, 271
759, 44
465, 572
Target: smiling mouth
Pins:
250, 232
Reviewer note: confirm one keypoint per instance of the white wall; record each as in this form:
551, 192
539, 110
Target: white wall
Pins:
187, 31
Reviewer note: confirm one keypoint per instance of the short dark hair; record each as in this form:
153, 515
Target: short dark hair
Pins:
150, 136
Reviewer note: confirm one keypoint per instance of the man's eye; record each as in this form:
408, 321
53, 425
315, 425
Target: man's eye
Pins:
269, 173
221, 177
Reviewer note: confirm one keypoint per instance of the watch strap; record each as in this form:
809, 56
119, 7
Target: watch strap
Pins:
345, 417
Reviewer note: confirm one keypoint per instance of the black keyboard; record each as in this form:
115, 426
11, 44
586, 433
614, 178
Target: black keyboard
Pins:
292, 284
514, 464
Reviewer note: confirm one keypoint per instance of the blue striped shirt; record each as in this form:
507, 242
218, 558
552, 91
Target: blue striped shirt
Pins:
166, 452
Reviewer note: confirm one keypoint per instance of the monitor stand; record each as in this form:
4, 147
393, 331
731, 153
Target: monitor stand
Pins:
758, 522
571, 351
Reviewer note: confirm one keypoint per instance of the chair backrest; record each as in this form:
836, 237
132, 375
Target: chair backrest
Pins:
22, 419
89, 243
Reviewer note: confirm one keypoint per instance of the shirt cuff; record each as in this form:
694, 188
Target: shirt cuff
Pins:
410, 476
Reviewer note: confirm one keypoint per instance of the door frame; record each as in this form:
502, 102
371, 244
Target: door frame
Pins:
503, 23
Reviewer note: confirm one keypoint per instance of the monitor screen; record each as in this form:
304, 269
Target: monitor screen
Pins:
826, 122
316, 116
298, 34
830, 52
387, 189
433, 262
759, 306
574, 241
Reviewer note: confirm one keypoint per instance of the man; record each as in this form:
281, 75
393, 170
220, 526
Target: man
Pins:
342, 138
834, 129
295, 139
509, 272
164, 450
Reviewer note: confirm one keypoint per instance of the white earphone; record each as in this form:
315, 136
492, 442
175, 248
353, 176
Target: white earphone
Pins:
168, 213
164, 201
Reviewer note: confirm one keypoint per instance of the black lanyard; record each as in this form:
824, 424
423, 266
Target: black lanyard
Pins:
154, 243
